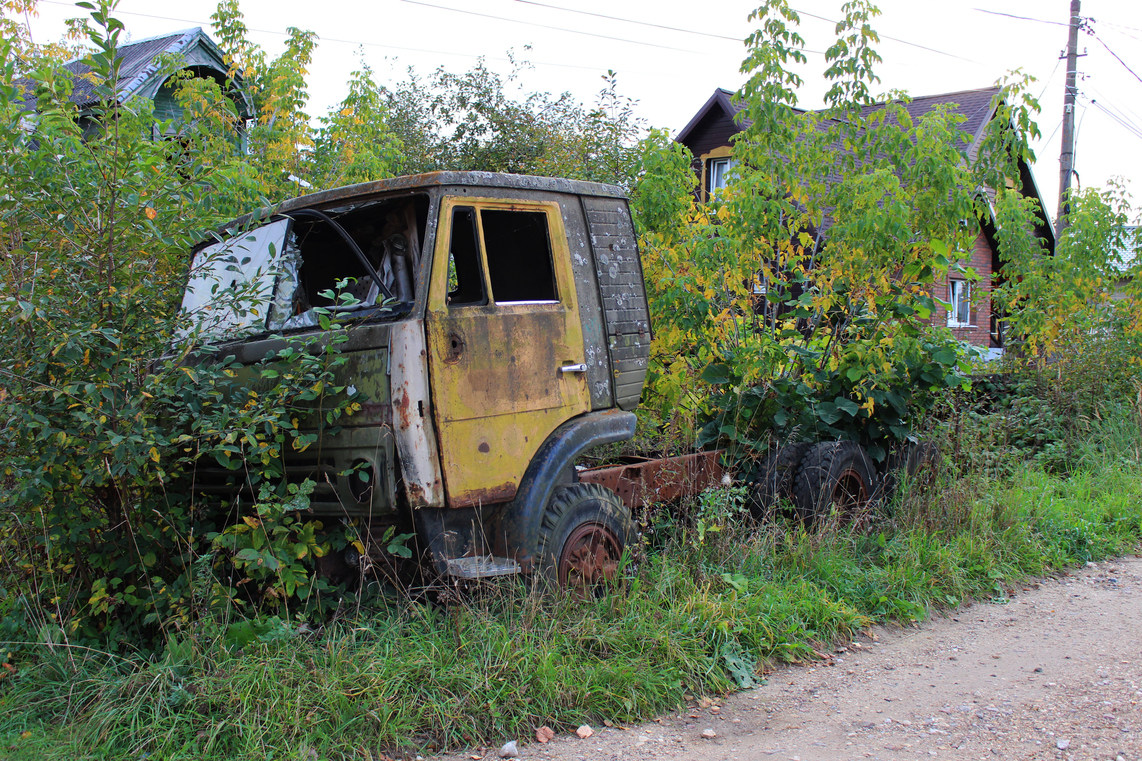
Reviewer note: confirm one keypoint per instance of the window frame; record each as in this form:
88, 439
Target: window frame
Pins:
562, 275
959, 299
725, 164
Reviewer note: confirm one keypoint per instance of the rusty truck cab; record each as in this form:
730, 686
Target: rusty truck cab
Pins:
497, 328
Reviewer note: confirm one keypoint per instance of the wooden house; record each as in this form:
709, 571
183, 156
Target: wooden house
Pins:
709, 136
145, 71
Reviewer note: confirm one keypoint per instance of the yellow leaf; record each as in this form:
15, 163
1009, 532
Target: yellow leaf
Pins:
250, 521
151, 213
154, 454
359, 547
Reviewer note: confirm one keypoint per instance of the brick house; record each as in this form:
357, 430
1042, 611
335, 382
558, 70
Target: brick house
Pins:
709, 136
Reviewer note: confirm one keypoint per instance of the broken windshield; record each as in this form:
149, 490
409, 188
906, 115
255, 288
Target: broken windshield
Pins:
361, 259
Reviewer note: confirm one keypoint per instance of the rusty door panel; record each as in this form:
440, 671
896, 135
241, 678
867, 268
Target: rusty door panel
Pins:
497, 385
642, 482
505, 360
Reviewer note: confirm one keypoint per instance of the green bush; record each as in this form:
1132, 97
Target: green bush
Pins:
106, 401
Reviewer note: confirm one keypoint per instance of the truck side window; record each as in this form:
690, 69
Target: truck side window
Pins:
465, 277
518, 249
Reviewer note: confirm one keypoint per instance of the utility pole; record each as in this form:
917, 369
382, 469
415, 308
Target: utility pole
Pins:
1067, 152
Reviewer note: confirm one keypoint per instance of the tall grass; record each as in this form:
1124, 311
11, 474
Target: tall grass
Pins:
702, 614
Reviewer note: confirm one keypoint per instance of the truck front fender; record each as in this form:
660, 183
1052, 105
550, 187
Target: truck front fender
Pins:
520, 521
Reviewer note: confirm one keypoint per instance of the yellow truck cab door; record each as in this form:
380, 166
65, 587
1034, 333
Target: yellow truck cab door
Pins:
505, 344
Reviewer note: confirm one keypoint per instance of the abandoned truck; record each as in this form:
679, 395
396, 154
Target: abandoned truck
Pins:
497, 330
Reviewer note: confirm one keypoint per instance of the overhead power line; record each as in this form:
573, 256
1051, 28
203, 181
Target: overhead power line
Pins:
1128, 126
1123, 111
894, 39
1116, 57
630, 21
549, 26
338, 40
1021, 18
1121, 26
1047, 85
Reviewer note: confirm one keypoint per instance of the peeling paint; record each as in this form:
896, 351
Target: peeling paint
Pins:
494, 368
415, 437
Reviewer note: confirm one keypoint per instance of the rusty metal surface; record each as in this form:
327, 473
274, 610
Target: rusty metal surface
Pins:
494, 369
644, 481
367, 191
412, 416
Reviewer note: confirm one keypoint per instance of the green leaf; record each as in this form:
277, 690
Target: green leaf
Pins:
717, 373
827, 412
847, 405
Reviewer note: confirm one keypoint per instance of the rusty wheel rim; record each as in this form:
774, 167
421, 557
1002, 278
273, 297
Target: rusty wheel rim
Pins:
849, 492
590, 556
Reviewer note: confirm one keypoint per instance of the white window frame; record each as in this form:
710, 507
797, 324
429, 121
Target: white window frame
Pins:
718, 172
959, 303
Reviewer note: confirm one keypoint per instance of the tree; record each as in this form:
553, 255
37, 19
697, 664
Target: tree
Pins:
803, 290
470, 121
103, 400
354, 143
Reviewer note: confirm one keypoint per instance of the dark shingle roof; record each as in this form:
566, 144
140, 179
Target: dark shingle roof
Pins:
976, 106
973, 105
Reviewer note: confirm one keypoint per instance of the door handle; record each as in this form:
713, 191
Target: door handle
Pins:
580, 368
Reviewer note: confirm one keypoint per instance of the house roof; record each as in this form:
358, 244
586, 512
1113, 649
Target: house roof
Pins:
1125, 256
974, 105
722, 99
140, 66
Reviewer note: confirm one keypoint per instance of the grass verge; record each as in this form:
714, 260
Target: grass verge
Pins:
698, 617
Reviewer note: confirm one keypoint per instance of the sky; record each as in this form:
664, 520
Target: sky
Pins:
670, 56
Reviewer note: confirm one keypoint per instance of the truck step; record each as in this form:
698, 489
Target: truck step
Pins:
481, 567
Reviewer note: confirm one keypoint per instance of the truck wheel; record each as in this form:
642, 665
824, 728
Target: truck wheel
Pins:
582, 536
772, 480
835, 476
917, 461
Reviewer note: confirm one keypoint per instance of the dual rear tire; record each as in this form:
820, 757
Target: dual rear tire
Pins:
820, 480
834, 479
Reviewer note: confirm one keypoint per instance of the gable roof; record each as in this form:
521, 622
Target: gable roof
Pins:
139, 63
140, 69
722, 99
974, 105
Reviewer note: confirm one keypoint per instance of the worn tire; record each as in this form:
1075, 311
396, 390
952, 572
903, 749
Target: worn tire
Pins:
916, 462
582, 536
834, 477
772, 480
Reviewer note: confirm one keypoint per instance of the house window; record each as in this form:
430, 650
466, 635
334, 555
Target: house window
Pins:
717, 174
959, 303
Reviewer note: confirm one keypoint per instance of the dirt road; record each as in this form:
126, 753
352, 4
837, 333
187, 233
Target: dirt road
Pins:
1053, 673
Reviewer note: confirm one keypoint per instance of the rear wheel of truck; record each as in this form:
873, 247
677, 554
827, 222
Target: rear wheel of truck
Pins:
835, 478
772, 479
582, 536
915, 462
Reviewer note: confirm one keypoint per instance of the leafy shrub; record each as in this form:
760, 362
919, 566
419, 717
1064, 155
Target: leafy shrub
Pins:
106, 401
